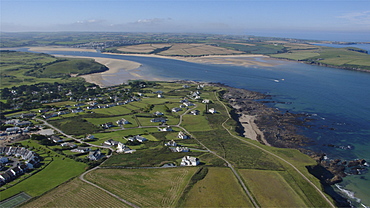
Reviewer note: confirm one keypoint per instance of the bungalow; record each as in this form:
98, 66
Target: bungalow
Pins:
111, 142
95, 155
180, 149
181, 135
81, 149
122, 122
171, 143
64, 112
157, 113
28, 115
157, 120
107, 125
89, 137
56, 139
137, 138
12, 129
176, 110
189, 161
194, 112
212, 110
187, 104
123, 148
160, 96
68, 144
205, 101
50, 115
167, 128
78, 110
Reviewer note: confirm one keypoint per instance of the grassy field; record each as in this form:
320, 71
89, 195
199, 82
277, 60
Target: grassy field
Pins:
23, 68
144, 187
270, 189
58, 171
340, 57
143, 48
75, 193
178, 49
218, 189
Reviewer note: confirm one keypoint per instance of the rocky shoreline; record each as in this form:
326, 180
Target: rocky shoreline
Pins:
281, 129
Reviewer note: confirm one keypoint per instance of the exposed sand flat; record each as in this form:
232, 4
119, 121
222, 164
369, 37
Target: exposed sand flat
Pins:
236, 60
123, 67
60, 48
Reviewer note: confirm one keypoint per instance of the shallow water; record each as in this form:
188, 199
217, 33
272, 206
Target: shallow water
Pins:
339, 100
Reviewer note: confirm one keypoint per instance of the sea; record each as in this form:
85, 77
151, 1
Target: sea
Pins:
337, 100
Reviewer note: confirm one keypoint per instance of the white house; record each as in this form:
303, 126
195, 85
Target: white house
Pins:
180, 149
137, 138
181, 135
123, 148
167, 128
171, 143
122, 122
212, 110
158, 113
205, 101
189, 161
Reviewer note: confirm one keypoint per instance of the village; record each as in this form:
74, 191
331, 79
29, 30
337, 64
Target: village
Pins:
165, 117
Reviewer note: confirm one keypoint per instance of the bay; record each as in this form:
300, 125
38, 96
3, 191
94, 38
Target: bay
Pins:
337, 99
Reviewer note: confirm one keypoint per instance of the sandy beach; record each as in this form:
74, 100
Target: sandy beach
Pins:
245, 60
59, 48
124, 67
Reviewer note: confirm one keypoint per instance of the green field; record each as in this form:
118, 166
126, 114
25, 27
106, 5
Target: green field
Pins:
34, 68
218, 189
338, 57
58, 171
75, 193
270, 189
144, 187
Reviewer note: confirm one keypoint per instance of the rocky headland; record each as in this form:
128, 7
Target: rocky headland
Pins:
282, 129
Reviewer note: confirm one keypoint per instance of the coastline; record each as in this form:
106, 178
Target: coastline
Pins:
126, 70
245, 60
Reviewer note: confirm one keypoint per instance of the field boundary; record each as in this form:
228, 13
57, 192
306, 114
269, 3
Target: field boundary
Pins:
280, 158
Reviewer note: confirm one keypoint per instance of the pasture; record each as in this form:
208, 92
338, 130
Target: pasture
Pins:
58, 171
183, 49
145, 187
270, 189
219, 188
75, 193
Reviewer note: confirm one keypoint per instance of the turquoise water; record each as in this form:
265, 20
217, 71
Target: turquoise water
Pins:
338, 100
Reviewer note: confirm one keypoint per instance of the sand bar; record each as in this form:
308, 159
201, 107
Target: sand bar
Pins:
245, 60
123, 67
59, 48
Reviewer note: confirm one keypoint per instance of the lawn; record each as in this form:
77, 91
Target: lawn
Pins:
270, 189
219, 188
75, 193
58, 171
144, 187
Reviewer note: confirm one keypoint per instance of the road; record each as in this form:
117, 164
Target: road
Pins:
273, 154
255, 204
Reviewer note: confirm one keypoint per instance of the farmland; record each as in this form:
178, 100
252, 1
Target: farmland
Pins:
218, 189
144, 187
177, 49
35, 68
338, 57
141, 181
81, 193
259, 180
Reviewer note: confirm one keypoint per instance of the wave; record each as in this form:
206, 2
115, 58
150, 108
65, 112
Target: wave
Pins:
351, 195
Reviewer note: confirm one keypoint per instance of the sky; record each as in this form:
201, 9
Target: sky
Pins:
242, 17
